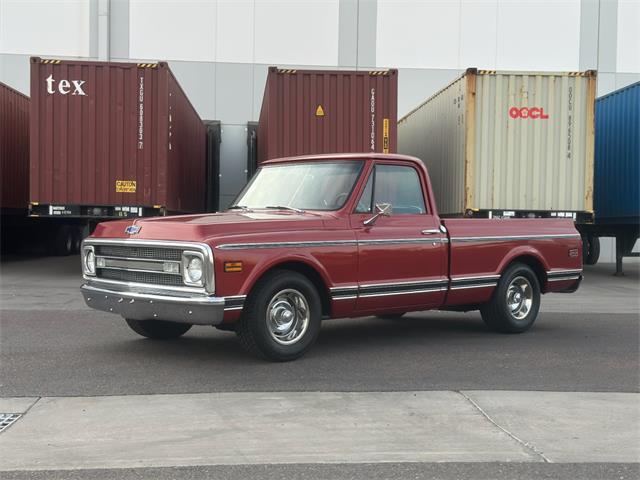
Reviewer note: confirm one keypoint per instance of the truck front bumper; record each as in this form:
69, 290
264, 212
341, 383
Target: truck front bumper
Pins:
141, 305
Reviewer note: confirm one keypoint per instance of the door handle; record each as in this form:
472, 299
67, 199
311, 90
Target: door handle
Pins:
431, 231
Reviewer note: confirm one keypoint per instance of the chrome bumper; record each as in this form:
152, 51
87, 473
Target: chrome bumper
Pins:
142, 305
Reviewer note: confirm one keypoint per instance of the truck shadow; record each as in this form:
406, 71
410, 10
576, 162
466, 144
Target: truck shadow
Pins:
336, 336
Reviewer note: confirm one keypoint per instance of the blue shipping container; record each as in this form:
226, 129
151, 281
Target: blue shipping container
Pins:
617, 156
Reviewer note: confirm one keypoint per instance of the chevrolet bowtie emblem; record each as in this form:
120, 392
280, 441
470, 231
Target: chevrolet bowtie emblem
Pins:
132, 229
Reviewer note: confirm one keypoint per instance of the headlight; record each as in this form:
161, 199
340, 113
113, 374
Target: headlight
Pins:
89, 261
193, 269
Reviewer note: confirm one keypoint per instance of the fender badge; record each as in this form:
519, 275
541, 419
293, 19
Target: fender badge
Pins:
132, 229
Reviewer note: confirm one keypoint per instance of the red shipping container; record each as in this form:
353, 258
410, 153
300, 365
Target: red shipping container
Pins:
14, 149
328, 111
122, 136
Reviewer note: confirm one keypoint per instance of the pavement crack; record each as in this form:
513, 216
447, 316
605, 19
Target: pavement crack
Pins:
527, 446
31, 406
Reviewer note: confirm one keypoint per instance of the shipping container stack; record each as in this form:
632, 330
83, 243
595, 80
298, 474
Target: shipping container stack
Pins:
14, 162
112, 140
617, 173
508, 144
327, 111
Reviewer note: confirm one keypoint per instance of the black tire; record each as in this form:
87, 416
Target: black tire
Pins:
592, 252
63, 241
255, 329
391, 316
77, 240
497, 313
158, 329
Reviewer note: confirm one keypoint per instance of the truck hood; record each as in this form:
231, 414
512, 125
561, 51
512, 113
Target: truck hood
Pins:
208, 227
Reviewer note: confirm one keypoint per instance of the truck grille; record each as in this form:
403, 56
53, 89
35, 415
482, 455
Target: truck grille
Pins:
155, 253
139, 264
141, 277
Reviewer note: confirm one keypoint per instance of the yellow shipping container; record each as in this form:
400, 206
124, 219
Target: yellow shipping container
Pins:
507, 141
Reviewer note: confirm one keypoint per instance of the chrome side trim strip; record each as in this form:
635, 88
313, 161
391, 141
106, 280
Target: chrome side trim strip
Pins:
514, 237
479, 277
400, 241
330, 243
564, 272
349, 287
403, 292
350, 297
483, 285
562, 279
415, 282
234, 302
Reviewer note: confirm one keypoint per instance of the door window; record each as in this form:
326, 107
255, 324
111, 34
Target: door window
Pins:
394, 184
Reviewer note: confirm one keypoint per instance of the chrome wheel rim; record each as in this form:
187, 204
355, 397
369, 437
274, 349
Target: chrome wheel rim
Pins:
288, 316
519, 297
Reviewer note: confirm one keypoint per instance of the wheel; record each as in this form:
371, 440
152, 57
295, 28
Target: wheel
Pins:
515, 302
63, 241
391, 316
591, 250
281, 317
77, 240
158, 329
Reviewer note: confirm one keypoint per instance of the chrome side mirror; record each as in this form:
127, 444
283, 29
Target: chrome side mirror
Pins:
382, 210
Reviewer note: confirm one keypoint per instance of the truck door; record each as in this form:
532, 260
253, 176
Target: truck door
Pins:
402, 257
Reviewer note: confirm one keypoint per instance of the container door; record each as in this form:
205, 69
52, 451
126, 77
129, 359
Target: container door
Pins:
212, 187
401, 257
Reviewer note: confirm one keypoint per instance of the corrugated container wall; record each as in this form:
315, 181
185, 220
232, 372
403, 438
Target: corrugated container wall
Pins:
14, 148
325, 111
516, 141
114, 134
617, 163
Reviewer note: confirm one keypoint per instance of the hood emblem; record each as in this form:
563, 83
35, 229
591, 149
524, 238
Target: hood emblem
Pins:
132, 229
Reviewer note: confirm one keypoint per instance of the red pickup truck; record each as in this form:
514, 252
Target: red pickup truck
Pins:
326, 236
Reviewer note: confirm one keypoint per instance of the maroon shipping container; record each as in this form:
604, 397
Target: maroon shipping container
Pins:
327, 111
14, 149
113, 140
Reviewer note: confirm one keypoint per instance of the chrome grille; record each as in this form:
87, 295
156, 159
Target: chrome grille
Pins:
155, 253
141, 277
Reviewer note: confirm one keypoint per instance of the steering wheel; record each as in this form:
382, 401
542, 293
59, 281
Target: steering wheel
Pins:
340, 199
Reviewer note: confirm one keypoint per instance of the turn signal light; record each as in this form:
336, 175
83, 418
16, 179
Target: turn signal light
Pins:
232, 267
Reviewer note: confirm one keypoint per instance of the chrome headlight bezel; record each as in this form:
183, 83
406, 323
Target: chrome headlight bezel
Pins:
88, 250
187, 257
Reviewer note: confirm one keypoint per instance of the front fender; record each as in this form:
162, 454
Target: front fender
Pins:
264, 266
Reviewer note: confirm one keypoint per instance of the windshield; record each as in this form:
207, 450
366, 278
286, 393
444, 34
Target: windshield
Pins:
304, 186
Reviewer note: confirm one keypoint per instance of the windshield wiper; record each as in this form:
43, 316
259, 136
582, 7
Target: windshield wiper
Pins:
239, 207
284, 207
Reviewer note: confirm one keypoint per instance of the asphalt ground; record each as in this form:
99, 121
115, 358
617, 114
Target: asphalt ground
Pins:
367, 471
85, 353
51, 344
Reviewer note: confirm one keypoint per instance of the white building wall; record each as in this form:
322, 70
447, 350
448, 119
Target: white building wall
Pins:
38, 27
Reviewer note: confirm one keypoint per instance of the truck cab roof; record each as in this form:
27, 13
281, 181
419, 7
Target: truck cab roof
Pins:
345, 156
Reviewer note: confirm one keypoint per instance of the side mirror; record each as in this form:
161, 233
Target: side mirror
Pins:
382, 210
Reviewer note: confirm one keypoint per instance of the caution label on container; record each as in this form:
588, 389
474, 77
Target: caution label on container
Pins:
125, 186
319, 111
385, 135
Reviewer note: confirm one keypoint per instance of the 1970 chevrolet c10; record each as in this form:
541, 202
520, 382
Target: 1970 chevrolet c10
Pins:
326, 236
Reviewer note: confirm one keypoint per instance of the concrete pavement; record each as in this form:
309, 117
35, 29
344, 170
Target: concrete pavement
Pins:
322, 427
